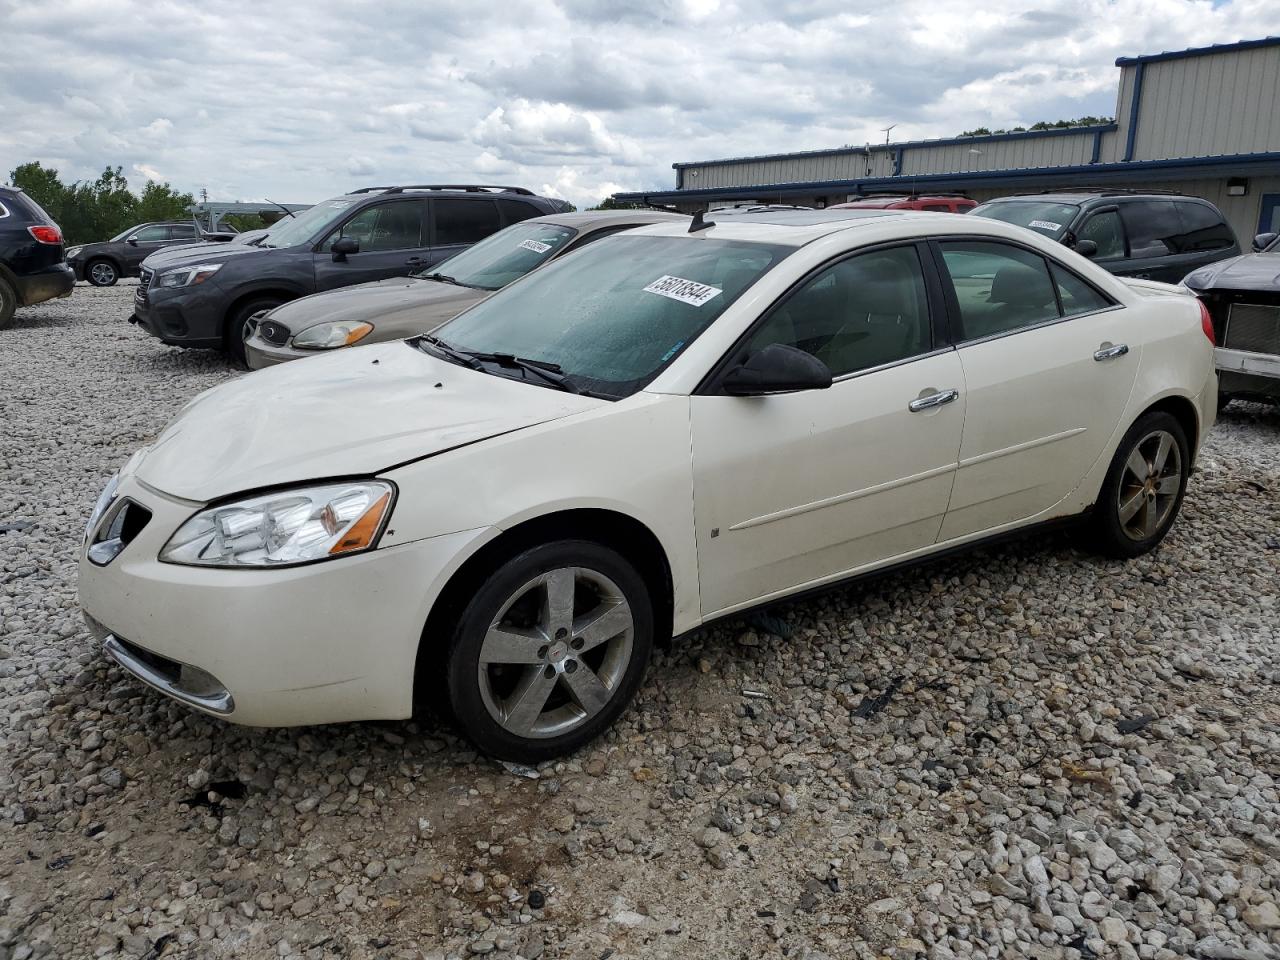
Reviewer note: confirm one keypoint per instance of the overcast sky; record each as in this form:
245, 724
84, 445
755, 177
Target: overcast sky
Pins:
573, 98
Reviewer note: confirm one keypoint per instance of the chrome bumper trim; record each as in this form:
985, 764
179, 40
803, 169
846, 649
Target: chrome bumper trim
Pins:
221, 704
1245, 361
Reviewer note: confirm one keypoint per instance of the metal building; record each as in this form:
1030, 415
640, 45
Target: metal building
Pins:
1203, 121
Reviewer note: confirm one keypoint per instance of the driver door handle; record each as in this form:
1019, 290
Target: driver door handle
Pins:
931, 400
1109, 350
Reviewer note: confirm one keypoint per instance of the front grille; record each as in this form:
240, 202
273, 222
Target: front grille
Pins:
144, 281
1254, 327
274, 332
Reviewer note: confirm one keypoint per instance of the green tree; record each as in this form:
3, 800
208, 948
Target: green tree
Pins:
41, 184
159, 201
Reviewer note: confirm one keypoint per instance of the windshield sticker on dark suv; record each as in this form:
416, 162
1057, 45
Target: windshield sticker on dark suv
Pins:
686, 291
1045, 225
535, 245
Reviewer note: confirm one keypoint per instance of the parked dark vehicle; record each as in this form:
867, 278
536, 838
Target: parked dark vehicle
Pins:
31, 265
1148, 235
1243, 297
102, 264
205, 299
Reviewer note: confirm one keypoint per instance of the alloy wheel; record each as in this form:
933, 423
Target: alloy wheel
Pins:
556, 653
103, 274
1149, 485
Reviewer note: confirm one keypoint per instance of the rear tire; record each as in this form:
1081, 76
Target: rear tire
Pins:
8, 303
1224, 400
234, 337
549, 651
1142, 493
101, 273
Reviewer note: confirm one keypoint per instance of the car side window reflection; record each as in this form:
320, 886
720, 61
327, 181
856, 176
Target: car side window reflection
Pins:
1106, 231
862, 312
999, 288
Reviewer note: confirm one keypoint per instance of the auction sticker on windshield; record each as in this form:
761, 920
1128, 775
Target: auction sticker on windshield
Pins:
686, 291
535, 245
1045, 225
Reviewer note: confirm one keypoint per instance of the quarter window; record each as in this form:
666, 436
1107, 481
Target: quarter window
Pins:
1107, 232
1074, 294
862, 312
464, 221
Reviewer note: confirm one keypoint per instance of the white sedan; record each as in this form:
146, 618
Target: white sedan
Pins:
670, 426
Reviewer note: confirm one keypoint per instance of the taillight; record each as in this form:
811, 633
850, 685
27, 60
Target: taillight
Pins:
45, 234
1206, 323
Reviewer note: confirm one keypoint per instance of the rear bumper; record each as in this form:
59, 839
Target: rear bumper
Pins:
48, 284
1246, 362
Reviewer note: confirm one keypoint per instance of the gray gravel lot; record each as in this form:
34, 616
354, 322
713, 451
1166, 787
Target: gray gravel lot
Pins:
1022, 752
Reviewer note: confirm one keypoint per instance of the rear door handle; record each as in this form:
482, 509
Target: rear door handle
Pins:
931, 400
416, 261
1110, 350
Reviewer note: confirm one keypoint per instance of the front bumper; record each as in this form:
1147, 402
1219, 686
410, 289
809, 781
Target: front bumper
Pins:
47, 284
181, 317
321, 643
259, 353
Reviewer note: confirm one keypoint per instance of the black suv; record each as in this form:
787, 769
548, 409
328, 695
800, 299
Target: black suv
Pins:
102, 264
206, 299
31, 265
1155, 236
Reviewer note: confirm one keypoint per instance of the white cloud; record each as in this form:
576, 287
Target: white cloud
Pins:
575, 97
149, 172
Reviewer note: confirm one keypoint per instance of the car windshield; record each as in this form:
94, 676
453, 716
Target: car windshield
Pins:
507, 255
613, 315
301, 227
1043, 216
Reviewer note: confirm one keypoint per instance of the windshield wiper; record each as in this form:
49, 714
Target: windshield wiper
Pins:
548, 372
441, 278
462, 357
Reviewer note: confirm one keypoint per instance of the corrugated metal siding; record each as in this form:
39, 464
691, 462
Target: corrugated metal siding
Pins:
999, 155
1113, 143
1209, 106
747, 173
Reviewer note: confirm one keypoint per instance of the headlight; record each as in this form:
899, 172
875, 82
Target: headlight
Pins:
104, 500
185, 276
72, 251
339, 333
289, 526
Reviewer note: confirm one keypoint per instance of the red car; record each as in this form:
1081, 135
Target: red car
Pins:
937, 204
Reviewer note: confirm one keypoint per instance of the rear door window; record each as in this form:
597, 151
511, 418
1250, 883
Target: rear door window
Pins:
1203, 228
1153, 226
999, 288
182, 231
464, 221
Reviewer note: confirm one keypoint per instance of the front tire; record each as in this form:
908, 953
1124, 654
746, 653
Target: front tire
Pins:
549, 650
1143, 490
101, 273
234, 336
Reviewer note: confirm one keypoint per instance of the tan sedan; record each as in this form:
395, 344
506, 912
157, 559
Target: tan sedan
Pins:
406, 306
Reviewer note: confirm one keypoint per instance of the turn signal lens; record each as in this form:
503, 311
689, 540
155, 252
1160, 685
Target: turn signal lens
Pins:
1206, 323
362, 532
46, 234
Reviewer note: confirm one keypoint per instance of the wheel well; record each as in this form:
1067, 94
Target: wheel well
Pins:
1184, 411
239, 303
628, 536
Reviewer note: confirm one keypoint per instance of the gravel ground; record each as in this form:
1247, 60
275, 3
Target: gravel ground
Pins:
1023, 752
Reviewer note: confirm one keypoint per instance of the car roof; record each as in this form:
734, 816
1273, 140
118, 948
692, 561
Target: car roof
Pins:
589, 219
791, 227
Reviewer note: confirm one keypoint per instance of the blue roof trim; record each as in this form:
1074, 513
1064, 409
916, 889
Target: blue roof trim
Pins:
1134, 106
1133, 169
943, 142
1199, 51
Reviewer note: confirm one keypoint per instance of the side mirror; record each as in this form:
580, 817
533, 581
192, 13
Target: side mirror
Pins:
343, 246
132, 241
1263, 240
1086, 248
778, 368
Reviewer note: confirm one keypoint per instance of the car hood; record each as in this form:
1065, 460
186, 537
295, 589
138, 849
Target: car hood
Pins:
347, 413
195, 253
1253, 271
399, 307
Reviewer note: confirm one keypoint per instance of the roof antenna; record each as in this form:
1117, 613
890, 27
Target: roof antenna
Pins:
700, 224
